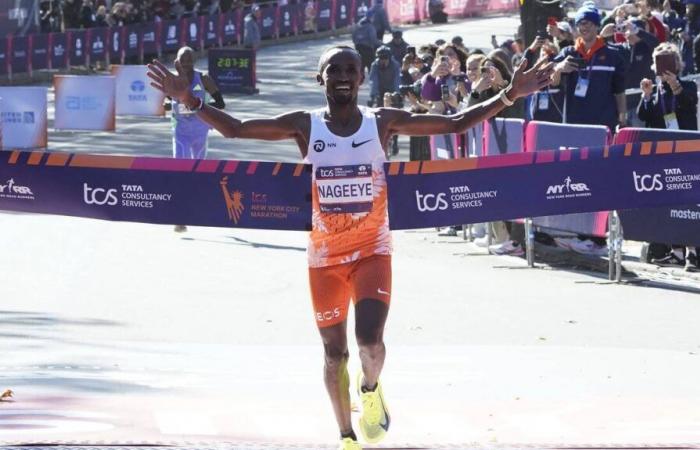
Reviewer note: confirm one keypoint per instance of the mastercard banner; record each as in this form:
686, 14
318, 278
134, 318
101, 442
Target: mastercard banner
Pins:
134, 94
23, 116
84, 102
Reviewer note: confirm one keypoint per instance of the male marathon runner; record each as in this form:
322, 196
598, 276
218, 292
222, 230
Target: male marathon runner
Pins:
189, 131
350, 243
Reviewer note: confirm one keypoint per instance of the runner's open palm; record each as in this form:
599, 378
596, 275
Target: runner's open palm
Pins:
172, 85
526, 82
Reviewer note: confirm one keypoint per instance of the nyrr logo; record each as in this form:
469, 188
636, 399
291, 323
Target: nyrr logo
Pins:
567, 188
234, 201
99, 196
431, 202
647, 183
10, 189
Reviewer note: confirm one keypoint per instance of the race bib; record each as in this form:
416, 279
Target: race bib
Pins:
345, 189
671, 121
543, 102
581, 87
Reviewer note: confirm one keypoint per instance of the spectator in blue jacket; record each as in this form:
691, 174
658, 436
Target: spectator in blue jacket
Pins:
380, 19
251, 29
384, 75
364, 37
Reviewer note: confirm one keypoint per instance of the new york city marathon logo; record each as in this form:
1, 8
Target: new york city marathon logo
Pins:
234, 201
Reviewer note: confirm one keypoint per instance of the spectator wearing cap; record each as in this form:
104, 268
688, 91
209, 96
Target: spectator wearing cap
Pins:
380, 19
398, 46
562, 33
251, 29
593, 75
364, 37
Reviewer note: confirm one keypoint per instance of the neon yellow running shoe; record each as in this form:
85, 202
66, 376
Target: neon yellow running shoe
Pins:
375, 419
349, 444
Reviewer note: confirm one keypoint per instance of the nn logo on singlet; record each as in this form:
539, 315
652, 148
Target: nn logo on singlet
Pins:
320, 145
234, 201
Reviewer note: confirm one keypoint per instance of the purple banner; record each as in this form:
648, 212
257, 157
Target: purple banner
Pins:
132, 47
342, 13
675, 225
149, 38
231, 27
97, 43
439, 193
193, 32
116, 44
3, 56
268, 24
286, 20
39, 44
170, 35
59, 50
212, 30
78, 47
19, 62
157, 190
323, 15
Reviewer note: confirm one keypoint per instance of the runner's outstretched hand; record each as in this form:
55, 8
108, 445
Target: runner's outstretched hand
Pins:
172, 85
526, 82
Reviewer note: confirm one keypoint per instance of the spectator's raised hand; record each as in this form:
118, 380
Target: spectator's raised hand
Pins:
526, 82
484, 82
608, 30
440, 69
537, 43
172, 85
647, 87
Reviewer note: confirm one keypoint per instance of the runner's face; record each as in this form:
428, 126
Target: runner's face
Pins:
342, 77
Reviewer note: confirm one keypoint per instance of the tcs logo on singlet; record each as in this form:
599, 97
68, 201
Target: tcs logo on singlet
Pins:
327, 315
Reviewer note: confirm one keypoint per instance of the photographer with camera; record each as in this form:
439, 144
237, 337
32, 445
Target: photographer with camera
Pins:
384, 74
593, 75
547, 104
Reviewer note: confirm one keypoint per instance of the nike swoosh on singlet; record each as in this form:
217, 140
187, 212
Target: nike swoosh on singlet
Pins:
355, 145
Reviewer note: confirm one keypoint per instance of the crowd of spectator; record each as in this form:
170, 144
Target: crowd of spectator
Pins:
62, 15
642, 45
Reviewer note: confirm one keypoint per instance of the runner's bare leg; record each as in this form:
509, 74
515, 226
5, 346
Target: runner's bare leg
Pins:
370, 317
336, 377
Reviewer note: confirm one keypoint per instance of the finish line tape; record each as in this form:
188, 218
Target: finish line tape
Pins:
277, 196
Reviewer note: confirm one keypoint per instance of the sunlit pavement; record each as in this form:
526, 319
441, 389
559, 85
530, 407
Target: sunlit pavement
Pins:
117, 333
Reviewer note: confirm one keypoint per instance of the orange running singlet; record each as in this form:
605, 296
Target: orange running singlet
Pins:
349, 199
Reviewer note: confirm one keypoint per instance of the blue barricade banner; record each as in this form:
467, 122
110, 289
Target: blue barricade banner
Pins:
39, 51
286, 20
59, 50
267, 22
231, 27
323, 15
440, 193
78, 48
193, 32
97, 44
232, 70
4, 57
342, 13
212, 30
116, 44
149, 38
158, 190
133, 40
422, 194
19, 61
170, 35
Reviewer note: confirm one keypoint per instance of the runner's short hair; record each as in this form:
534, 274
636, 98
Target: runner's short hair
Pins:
323, 60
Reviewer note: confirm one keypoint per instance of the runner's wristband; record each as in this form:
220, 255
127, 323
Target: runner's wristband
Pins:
504, 98
199, 106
